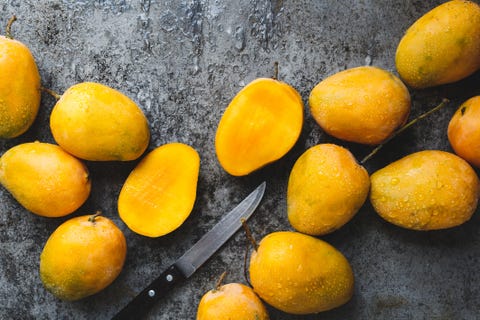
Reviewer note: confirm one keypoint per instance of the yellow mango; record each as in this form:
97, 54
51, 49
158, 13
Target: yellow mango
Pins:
300, 274
326, 188
443, 46
83, 256
260, 125
160, 192
231, 301
363, 104
44, 178
19, 88
463, 131
97, 123
426, 190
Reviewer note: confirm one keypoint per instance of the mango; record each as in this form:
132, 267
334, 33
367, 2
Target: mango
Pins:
97, 123
426, 190
300, 274
259, 126
19, 88
44, 178
325, 190
443, 46
231, 301
463, 131
363, 104
160, 192
82, 256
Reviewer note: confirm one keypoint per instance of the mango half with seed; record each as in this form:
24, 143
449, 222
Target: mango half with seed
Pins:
426, 190
19, 88
443, 46
159, 194
260, 125
97, 123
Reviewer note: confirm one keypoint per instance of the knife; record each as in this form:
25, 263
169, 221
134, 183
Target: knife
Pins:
191, 260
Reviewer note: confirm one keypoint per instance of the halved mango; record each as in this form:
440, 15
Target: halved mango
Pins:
160, 192
260, 125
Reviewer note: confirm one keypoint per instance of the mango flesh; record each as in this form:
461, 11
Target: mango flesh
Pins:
82, 257
363, 105
231, 301
97, 123
464, 131
300, 274
260, 125
326, 188
426, 190
44, 178
19, 88
443, 46
159, 194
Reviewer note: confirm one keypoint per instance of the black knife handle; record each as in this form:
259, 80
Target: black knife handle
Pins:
141, 304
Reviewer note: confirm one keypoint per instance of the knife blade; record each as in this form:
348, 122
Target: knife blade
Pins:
193, 258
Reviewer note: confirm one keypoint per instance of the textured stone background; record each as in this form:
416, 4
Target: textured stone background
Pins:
182, 62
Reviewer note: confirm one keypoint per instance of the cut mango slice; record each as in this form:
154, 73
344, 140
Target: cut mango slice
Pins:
260, 125
159, 194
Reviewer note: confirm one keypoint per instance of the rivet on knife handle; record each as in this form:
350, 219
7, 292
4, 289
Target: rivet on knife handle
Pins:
140, 305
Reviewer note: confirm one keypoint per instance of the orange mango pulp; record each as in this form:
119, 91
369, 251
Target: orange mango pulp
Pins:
160, 192
259, 126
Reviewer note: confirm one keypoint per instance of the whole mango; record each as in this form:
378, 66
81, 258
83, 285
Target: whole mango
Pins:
231, 301
44, 178
326, 188
97, 123
82, 256
443, 46
300, 274
464, 133
426, 190
19, 88
364, 104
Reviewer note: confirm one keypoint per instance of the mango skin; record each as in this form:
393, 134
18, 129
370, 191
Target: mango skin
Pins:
441, 47
160, 192
300, 274
426, 190
326, 188
231, 301
81, 257
463, 131
44, 178
19, 88
97, 123
260, 125
363, 104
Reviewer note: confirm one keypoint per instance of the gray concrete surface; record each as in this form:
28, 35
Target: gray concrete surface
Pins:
182, 62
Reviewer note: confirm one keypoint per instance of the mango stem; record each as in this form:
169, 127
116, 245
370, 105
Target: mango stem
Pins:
444, 102
94, 216
219, 282
275, 70
52, 93
255, 246
249, 234
8, 33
